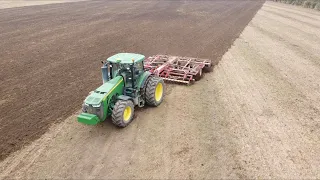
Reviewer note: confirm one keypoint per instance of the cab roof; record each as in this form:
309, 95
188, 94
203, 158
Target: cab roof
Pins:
125, 58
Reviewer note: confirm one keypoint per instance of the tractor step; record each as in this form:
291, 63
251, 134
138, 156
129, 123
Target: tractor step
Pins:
177, 69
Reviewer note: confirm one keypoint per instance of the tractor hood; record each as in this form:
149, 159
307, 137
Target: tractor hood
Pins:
98, 95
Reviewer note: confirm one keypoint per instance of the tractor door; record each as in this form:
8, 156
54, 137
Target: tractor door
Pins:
138, 71
133, 74
131, 78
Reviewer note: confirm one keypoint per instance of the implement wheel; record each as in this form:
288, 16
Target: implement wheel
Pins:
122, 113
154, 91
198, 76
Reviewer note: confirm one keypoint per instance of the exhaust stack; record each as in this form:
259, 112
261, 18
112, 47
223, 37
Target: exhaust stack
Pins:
105, 72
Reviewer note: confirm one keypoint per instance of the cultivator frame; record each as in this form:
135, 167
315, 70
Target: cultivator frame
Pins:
177, 69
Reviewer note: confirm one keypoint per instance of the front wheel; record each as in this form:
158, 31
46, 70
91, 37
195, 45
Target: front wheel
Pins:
154, 91
122, 113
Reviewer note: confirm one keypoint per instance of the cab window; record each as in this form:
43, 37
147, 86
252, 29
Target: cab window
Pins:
139, 66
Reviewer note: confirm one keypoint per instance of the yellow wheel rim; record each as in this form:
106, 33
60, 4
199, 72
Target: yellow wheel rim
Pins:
159, 92
127, 113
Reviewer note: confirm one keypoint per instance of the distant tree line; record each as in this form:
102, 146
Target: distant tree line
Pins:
313, 4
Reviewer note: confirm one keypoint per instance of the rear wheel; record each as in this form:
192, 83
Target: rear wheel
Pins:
122, 113
154, 91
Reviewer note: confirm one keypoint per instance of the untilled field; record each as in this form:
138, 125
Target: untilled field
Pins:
257, 115
50, 54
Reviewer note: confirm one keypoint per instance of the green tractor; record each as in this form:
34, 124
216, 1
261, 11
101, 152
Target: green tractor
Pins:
125, 85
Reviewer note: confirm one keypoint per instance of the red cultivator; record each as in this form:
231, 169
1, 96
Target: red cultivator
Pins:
177, 69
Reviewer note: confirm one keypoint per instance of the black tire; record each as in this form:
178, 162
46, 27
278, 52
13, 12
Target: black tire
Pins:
118, 113
199, 75
208, 69
152, 84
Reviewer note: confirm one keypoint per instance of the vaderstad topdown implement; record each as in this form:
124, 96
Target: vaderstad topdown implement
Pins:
130, 80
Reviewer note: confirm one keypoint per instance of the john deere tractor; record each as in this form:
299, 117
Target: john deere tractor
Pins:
126, 84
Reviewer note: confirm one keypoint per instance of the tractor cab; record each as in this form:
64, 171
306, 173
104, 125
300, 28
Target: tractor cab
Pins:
127, 65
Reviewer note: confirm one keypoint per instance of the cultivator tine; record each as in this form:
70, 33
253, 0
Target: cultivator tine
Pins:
175, 68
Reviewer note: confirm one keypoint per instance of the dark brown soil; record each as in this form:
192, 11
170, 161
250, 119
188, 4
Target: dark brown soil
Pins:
50, 55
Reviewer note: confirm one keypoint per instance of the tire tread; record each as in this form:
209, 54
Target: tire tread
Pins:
117, 113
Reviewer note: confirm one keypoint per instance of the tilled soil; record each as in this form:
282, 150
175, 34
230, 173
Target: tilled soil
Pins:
257, 115
50, 54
